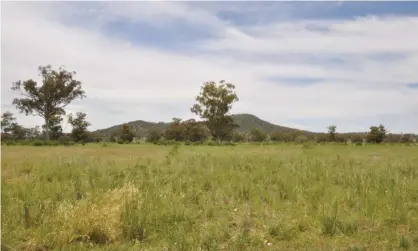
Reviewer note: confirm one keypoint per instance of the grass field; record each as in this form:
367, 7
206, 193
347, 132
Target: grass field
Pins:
245, 197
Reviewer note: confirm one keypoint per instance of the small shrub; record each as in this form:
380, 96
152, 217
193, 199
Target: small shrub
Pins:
404, 243
301, 139
52, 143
38, 143
303, 226
210, 143
69, 143
331, 226
282, 232
8, 142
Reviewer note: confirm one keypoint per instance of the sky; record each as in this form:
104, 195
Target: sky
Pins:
305, 65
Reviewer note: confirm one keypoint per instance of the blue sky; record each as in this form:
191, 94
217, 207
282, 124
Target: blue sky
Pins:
298, 64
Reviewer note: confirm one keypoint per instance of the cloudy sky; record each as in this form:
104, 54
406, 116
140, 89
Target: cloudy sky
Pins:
302, 64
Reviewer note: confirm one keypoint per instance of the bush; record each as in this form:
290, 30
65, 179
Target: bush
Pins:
64, 140
301, 139
68, 143
8, 142
258, 135
154, 136
38, 143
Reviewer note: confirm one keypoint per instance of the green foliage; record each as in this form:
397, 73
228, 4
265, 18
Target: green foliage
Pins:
154, 136
282, 233
33, 133
404, 243
10, 130
126, 133
357, 138
282, 136
79, 132
189, 130
7, 119
18, 132
377, 134
301, 139
238, 136
258, 135
213, 104
331, 132
195, 131
176, 131
55, 128
39, 143
58, 89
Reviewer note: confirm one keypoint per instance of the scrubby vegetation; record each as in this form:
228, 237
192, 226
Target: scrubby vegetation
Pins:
178, 197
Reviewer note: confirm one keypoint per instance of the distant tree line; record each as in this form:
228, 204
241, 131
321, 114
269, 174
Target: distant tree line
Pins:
213, 104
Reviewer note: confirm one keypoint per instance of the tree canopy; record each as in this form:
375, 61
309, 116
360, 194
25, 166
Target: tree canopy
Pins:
79, 124
213, 104
58, 89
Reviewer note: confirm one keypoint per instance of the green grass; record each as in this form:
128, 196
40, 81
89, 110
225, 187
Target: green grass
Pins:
245, 197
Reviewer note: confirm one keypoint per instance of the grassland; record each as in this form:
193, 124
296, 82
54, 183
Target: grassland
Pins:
245, 197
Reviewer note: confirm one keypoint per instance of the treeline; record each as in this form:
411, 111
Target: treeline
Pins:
213, 104
198, 133
14, 133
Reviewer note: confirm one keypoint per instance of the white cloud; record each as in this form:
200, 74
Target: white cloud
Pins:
127, 82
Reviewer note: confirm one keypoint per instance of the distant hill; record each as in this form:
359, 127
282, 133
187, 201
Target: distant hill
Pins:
246, 122
139, 127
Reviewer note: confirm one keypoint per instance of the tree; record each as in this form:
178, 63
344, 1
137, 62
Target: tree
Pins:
58, 89
79, 124
331, 132
154, 135
7, 120
176, 131
406, 138
376, 134
213, 104
357, 138
18, 132
127, 135
321, 137
258, 135
301, 139
238, 136
33, 132
195, 131
55, 128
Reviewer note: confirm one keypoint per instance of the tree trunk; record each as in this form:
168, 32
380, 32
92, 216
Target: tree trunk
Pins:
46, 129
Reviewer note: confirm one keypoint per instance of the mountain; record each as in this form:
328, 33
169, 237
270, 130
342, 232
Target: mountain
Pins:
139, 127
246, 122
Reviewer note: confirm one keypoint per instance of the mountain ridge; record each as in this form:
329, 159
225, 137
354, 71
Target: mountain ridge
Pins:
245, 121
